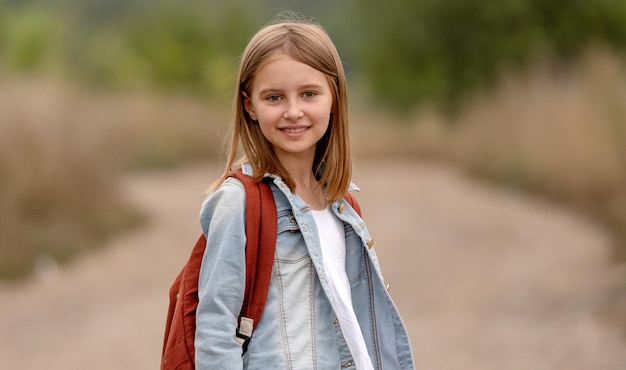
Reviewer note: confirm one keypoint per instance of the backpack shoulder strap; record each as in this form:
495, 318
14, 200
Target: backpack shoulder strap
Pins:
353, 202
261, 229
261, 226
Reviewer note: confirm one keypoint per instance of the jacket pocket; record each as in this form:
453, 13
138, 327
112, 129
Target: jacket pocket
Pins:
290, 246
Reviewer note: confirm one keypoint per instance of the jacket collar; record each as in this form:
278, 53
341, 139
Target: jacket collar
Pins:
246, 169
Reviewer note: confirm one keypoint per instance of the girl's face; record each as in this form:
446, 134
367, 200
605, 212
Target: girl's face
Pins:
291, 102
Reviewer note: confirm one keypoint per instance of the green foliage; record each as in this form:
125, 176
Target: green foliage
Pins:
27, 39
444, 49
407, 51
155, 44
178, 48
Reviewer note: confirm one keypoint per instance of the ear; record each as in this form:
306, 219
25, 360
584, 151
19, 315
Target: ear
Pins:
247, 104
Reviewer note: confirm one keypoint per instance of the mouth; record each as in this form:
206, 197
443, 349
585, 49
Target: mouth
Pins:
294, 130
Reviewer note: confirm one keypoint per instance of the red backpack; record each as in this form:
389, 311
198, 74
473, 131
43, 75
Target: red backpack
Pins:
261, 228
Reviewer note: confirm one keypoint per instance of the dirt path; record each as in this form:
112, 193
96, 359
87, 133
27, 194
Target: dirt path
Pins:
485, 279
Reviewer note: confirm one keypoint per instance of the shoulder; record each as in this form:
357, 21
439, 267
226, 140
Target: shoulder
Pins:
231, 188
230, 196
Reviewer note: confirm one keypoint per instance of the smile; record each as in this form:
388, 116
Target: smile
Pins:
296, 130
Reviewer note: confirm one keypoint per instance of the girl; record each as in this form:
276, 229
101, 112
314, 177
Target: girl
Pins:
327, 306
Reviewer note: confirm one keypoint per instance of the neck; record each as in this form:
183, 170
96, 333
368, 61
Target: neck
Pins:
300, 169
307, 186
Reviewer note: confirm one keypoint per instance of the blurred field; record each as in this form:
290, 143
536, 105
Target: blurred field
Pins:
552, 130
485, 278
62, 150
557, 132
106, 105
538, 280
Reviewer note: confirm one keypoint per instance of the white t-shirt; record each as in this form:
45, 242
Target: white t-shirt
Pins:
333, 243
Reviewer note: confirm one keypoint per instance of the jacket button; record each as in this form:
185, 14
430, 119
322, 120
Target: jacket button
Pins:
342, 208
370, 243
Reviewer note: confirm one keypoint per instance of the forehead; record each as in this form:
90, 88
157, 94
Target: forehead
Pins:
281, 71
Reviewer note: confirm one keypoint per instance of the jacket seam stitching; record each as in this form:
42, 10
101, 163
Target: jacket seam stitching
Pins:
283, 324
372, 309
312, 317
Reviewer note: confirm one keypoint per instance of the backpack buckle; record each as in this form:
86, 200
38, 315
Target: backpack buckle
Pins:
244, 332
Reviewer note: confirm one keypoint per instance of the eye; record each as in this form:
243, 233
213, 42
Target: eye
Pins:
309, 94
273, 98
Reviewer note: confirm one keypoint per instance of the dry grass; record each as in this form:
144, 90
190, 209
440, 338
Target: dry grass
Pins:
61, 152
554, 131
561, 134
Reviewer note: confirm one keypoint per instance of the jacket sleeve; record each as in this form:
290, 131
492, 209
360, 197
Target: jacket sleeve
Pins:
222, 278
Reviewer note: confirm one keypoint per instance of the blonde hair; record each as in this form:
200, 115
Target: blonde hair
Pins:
307, 43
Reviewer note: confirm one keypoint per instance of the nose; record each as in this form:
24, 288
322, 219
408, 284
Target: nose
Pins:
293, 111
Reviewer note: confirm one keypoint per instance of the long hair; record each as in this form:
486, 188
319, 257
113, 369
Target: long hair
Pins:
309, 44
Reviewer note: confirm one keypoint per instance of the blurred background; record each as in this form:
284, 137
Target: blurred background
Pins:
526, 94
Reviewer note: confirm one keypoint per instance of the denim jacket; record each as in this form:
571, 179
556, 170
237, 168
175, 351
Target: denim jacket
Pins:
298, 329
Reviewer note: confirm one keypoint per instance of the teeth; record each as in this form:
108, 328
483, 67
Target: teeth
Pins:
294, 130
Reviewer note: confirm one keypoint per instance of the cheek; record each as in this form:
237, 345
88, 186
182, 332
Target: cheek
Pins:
264, 127
326, 112
325, 119
268, 112
267, 127
268, 117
